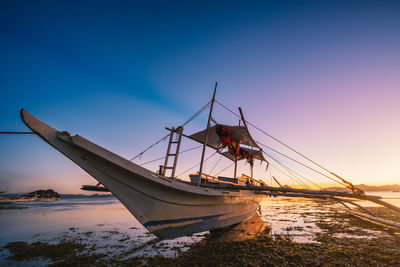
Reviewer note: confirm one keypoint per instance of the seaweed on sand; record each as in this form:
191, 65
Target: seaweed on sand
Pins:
338, 245
263, 251
66, 253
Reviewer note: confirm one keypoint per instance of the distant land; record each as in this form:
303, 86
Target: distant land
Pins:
363, 187
16, 195
370, 187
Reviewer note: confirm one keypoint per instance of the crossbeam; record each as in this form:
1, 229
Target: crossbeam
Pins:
286, 189
375, 199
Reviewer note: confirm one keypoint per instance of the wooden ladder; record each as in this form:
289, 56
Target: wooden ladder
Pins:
174, 139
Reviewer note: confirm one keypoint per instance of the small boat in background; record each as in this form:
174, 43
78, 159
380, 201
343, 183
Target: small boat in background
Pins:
95, 188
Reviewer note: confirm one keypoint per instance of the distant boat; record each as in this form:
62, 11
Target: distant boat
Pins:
95, 188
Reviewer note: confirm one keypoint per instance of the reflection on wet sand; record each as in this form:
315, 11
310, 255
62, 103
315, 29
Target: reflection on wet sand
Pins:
251, 228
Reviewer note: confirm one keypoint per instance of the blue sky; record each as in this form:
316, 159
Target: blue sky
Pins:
322, 75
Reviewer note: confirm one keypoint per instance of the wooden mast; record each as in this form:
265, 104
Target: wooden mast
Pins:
234, 173
206, 137
245, 125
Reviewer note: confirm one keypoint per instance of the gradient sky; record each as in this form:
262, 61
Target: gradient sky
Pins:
323, 76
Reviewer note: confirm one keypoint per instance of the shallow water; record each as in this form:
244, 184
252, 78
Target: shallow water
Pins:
297, 218
106, 226
388, 196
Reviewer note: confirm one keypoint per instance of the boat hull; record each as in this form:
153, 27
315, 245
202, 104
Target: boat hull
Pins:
168, 208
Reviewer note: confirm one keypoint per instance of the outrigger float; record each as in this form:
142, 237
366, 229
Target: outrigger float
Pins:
170, 207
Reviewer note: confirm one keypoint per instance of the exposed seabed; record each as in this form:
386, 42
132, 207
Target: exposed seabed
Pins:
287, 232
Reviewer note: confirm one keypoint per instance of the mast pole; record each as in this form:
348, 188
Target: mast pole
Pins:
206, 137
234, 173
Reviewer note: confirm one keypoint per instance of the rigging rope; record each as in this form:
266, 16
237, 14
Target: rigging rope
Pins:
197, 164
141, 153
216, 164
273, 166
302, 164
164, 138
196, 114
297, 152
296, 174
183, 151
291, 175
305, 178
277, 140
230, 165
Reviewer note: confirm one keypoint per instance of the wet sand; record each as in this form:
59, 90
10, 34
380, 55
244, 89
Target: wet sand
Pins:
288, 232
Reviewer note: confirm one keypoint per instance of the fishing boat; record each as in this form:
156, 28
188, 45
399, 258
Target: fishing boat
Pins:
170, 207
96, 188
166, 206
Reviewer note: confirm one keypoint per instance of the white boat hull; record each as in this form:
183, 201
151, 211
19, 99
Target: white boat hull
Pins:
167, 207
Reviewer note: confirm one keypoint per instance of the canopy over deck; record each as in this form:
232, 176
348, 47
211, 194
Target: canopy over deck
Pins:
240, 135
